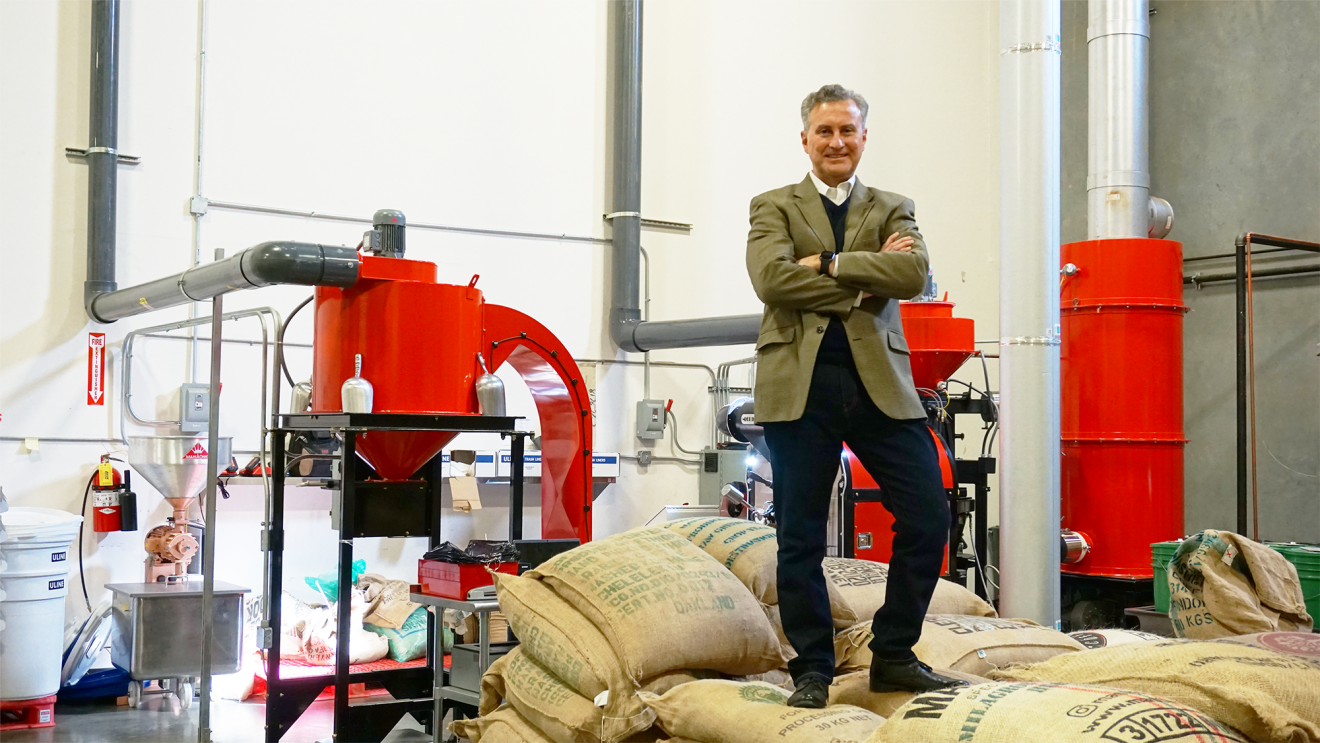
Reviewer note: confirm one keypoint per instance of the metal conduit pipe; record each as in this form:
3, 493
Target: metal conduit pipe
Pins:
102, 152
304, 264
1029, 92
627, 328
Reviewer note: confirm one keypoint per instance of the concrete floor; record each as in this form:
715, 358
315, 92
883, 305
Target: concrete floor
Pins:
160, 720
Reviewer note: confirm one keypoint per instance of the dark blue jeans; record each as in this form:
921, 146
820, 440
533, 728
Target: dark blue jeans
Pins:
901, 456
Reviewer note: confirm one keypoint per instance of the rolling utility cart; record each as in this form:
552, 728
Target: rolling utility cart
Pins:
367, 506
460, 695
157, 634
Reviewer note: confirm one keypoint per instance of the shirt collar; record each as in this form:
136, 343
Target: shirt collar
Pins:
844, 190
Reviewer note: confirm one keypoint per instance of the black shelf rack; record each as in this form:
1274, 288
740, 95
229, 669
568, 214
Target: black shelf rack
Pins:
367, 508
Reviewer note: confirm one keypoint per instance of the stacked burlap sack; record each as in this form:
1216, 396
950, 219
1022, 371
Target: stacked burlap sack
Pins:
1256, 686
643, 610
613, 628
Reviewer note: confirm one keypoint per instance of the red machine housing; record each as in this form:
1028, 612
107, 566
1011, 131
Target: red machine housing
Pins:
419, 341
1122, 401
939, 344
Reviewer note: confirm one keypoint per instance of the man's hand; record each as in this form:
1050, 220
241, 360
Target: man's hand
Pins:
812, 261
896, 244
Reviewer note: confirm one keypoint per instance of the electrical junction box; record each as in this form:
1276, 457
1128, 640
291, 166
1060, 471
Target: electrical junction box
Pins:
650, 419
194, 407
719, 467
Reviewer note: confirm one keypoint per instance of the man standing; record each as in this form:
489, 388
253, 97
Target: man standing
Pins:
831, 258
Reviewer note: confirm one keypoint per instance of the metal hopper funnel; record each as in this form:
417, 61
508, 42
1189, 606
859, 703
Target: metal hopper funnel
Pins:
175, 465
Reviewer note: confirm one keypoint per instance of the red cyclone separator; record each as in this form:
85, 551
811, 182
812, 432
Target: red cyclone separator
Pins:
556, 384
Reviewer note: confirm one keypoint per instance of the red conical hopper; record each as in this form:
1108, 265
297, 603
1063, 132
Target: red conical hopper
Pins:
419, 342
939, 342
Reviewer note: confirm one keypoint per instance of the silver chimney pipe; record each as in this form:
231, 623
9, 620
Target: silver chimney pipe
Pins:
1118, 150
1029, 91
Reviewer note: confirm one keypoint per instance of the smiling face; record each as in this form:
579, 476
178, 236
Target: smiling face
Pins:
834, 140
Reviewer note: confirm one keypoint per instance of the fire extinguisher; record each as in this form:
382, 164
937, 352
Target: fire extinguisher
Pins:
114, 505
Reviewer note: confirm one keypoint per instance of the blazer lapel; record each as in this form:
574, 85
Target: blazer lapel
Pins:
859, 207
808, 202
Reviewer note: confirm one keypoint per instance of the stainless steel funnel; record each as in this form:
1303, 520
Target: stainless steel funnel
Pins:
175, 465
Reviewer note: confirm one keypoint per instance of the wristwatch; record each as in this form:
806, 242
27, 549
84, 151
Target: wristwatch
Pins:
826, 257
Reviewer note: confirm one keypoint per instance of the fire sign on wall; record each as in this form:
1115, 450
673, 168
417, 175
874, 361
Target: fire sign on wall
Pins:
96, 368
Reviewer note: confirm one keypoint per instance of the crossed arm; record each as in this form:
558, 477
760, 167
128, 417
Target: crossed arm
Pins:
897, 271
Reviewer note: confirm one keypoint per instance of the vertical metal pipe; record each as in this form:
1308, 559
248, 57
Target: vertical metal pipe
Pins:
1029, 308
208, 546
102, 151
1240, 287
195, 308
516, 487
627, 171
1118, 178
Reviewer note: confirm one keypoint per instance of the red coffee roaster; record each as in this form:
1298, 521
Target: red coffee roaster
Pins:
939, 344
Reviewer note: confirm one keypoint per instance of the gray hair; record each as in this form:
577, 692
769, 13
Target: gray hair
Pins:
829, 94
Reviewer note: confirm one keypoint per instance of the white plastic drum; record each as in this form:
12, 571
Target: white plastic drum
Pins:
33, 585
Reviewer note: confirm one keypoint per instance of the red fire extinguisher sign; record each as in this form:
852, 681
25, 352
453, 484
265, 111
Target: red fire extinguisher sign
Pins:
96, 368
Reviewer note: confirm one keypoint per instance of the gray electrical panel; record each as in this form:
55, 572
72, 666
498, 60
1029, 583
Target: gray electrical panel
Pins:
194, 407
719, 467
650, 419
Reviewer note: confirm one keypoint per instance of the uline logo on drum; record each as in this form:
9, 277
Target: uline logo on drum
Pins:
58, 556
55, 585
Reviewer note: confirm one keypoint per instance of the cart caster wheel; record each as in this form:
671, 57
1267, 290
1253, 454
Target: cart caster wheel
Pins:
185, 693
134, 693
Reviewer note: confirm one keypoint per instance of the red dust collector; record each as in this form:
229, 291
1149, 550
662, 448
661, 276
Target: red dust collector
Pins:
418, 341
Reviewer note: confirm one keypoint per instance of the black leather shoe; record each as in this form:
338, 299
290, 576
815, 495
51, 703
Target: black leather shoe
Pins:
813, 692
913, 676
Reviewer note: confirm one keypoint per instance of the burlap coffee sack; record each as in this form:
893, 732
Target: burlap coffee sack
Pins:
751, 551
566, 644
1100, 638
855, 689
1048, 713
1223, 584
777, 677
1305, 644
661, 684
851, 650
664, 605
748, 549
862, 584
730, 712
502, 725
550, 705
979, 645
389, 604
1268, 696
777, 626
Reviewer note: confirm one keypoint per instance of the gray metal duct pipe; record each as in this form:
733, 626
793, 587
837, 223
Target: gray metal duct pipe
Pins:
304, 264
626, 325
102, 154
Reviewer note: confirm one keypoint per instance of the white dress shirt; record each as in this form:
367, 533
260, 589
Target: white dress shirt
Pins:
837, 195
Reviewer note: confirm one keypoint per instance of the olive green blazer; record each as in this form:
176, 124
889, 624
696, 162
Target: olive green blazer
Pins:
790, 223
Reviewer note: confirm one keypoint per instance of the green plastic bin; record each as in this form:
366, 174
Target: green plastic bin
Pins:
1161, 554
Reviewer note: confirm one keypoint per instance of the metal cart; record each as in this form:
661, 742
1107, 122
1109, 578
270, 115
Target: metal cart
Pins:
367, 508
158, 634
461, 699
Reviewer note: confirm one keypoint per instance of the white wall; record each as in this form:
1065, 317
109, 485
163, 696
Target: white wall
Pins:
467, 114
